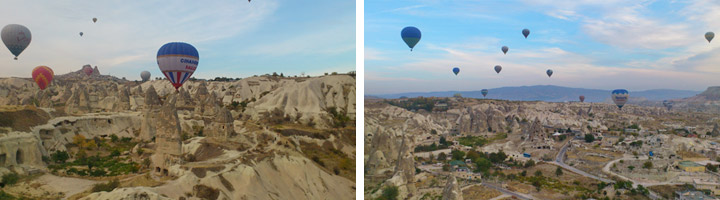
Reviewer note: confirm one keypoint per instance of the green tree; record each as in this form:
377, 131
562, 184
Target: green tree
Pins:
713, 168
483, 165
529, 163
523, 173
59, 156
558, 171
457, 155
114, 138
434, 132
647, 165
631, 167
389, 193
473, 155
589, 138
498, 157
442, 156
443, 141
538, 173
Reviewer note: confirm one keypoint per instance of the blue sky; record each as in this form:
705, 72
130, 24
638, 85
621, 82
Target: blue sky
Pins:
234, 38
632, 44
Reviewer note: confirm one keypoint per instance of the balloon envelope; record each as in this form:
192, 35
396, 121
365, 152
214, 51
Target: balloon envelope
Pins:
620, 97
81, 33
43, 75
498, 68
709, 36
484, 92
16, 38
549, 72
145, 75
456, 70
526, 32
177, 61
94, 19
582, 98
87, 69
411, 36
504, 49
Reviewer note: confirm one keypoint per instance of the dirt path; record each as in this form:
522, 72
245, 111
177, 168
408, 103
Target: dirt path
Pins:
67, 185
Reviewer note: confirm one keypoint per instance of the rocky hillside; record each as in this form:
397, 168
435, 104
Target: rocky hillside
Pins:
262, 137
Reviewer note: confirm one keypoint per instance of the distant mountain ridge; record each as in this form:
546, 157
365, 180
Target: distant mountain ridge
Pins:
550, 93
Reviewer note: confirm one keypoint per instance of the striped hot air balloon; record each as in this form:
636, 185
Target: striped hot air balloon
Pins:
43, 75
177, 61
620, 97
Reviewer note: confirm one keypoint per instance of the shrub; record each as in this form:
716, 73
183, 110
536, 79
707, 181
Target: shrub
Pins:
10, 179
389, 193
106, 187
59, 156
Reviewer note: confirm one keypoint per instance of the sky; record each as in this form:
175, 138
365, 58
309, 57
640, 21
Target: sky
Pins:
234, 38
606, 44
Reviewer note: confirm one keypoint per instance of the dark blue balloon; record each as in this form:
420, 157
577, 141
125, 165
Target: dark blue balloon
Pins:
526, 32
411, 36
178, 48
484, 92
456, 70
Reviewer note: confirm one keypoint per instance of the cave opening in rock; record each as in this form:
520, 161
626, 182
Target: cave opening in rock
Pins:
2, 159
19, 157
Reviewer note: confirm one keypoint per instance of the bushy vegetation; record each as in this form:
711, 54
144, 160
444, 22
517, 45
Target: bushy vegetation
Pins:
6, 196
432, 147
96, 165
9, 179
340, 118
106, 187
389, 193
473, 141
415, 104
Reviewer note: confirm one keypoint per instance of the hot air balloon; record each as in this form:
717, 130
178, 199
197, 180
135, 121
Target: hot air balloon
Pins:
498, 68
177, 61
145, 75
484, 92
456, 71
620, 97
667, 104
87, 69
526, 32
81, 33
43, 76
549, 72
709, 36
94, 19
504, 49
16, 38
411, 36
582, 98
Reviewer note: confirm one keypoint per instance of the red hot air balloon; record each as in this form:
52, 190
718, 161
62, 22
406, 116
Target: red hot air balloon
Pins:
88, 70
42, 75
582, 98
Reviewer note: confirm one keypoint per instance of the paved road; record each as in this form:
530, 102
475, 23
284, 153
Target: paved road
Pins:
559, 161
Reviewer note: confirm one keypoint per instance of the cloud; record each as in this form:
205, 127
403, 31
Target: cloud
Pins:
127, 34
373, 54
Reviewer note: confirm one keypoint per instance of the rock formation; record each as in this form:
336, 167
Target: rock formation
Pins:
452, 190
716, 131
79, 101
168, 139
122, 100
222, 126
20, 150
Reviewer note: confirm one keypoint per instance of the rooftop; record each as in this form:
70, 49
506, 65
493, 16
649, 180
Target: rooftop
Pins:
687, 163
